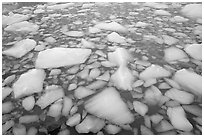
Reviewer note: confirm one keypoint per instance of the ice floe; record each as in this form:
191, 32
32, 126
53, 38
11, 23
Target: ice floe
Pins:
50, 96
163, 126
28, 119
90, 124
14, 18
154, 71
193, 11
55, 109
59, 6
173, 54
140, 107
156, 5
178, 118
180, 96
177, 19
189, 81
7, 107
19, 130
20, 48
67, 105
74, 120
6, 91
162, 12
74, 33
58, 57
24, 27
24, 85
82, 92
112, 26
112, 129
194, 50
108, 105
169, 40
28, 103
115, 37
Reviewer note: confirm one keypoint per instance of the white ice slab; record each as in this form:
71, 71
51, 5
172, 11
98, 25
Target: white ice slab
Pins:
112, 26
115, 37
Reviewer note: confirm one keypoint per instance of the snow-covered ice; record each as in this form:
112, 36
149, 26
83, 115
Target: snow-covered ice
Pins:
194, 50
25, 84
182, 97
189, 81
90, 124
154, 71
59, 57
178, 118
108, 105
140, 107
173, 54
20, 48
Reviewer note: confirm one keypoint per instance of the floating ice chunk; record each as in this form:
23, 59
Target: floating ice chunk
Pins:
156, 118
58, 57
23, 27
83, 74
178, 19
50, 40
194, 50
162, 12
28, 103
20, 48
74, 120
156, 5
178, 118
5, 127
94, 73
112, 129
74, 33
119, 57
90, 124
87, 5
150, 82
145, 131
193, 11
189, 81
9, 79
140, 108
193, 109
60, 6
29, 119
6, 91
87, 44
137, 83
180, 96
175, 54
104, 77
50, 96
82, 92
115, 37
19, 130
14, 18
153, 95
163, 126
29, 83
67, 105
64, 132
7, 107
94, 30
109, 105
32, 131
113, 26
169, 40
141, 24
96, 85
55, 109
123, 78
154, 71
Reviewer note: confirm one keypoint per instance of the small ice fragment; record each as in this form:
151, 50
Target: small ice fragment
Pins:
28, 119
115, 37
150, 82
105, 76
112, 129
194, 50
55, 109
67, 104
5, 127
82, 92
156, 118
32, 131
19, 130
163, 126
94, 73
140, 107
7, 107
178, 118
28, 103
193, 109
145, 131
74, 120
96, 85
113, 26
6, 91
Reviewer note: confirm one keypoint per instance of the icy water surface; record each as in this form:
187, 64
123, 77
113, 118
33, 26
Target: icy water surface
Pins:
102, 68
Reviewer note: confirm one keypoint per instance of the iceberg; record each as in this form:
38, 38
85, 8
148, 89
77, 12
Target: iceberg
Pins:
59, 57
29, 83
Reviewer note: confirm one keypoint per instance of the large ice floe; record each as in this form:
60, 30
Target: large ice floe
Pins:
194, 50
189, 81
29, 83
173, 54
59, 57
109, 105
14, 18
193, 11
178, 118
112, 26
24, 27
20, 48
154, 71
123, 77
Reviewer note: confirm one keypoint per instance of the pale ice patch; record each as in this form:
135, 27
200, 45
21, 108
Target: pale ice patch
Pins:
189, 81
178, 118
20, 48
90, 124
58, 57
141, 24
67, 105
23, 27
194, 50
112, 26
28, 103
180, 96
162, 12
74, 120
178, 19
94, 73
174, 54
115, 37
140, 108
82, 92
169, 40
163, 126
74, 33
112, 129
55, 109
94, 30
108, 105
60, 6
193, 11
13, 18
104, 77
6, 91
154, 71
29, 83
50, 96
28, 119
156, 5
